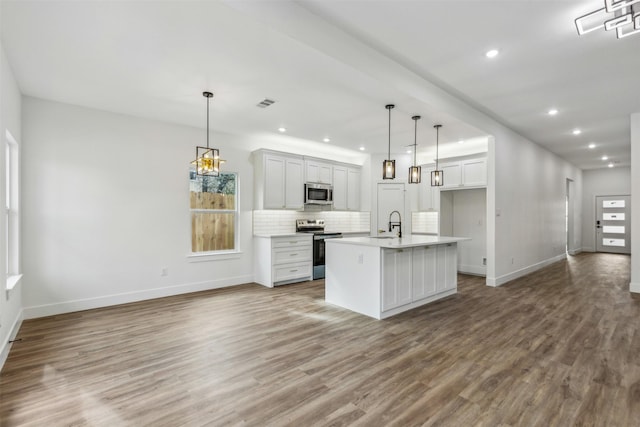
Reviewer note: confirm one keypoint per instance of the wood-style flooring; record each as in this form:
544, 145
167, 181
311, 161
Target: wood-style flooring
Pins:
560, 347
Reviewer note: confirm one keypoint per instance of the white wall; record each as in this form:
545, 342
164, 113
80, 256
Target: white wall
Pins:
10, 106
634, 286
529, 192
600, 182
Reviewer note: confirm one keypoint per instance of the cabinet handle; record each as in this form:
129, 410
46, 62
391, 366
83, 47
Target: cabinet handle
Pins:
293, 271
293, 254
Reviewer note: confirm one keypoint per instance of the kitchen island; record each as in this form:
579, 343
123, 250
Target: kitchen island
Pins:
381, 277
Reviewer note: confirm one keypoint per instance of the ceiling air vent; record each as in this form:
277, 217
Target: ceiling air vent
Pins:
265, 103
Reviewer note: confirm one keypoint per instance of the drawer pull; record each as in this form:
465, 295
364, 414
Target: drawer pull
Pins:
293, 271
293, 254
293, 242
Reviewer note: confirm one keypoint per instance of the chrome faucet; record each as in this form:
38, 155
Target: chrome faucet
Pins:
398, 224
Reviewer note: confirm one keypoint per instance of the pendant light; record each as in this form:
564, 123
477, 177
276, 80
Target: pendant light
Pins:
437, 176
389, 166
415, 172
207, 160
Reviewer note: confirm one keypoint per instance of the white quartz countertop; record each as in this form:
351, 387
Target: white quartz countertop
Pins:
268, 235
396, 243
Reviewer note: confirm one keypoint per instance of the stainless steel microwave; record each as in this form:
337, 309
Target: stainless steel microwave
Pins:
318, 194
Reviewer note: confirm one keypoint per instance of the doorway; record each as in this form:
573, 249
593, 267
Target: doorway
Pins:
390, 198
613, 224
569, 217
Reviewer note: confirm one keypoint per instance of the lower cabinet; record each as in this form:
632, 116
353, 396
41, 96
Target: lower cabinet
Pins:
281, 260
414, 274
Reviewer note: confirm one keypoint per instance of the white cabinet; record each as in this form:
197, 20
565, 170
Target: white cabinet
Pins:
278, 181
396, 278
340, 189
474, 172
346, 188
429, 197
465, 173
353, 188
283, 259
318, 171
423, 270
446, 273
412, 275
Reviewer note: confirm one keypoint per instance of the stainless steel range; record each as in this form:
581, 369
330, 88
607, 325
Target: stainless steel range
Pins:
316, 227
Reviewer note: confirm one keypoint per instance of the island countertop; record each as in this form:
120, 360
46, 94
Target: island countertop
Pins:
410, 241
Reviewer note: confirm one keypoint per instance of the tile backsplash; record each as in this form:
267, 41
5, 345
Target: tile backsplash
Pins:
281, 222
424, 222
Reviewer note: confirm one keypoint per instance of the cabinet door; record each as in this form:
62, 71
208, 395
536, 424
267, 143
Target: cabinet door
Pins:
452, 175
396, 278
325, 173
423, 272
294, 184
429, 197
353, 189
474, 172
340, 188
312, 171
447, 268
274, 182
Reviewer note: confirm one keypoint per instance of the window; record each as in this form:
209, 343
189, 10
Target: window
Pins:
214, 213
12, 215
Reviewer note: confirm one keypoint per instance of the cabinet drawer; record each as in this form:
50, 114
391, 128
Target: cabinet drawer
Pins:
289, 255
286, 272
287, 242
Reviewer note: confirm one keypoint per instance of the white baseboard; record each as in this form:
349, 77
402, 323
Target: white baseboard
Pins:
6, 346
588, 249
108, 300
476, 270
499, 281
634, 287
575, 251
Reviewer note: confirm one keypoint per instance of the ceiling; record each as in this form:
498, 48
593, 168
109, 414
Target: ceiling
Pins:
154, 59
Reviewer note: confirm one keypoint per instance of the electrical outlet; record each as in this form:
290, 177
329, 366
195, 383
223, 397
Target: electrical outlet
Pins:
512, 259
164, 271
484, 261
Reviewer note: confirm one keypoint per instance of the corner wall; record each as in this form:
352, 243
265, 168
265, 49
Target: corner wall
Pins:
634, 286
10, 119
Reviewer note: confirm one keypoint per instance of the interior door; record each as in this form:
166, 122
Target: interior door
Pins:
613, 224
390, 198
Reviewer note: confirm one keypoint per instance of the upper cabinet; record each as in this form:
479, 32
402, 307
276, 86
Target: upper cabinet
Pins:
464, 173
279, 181
346, 188
318, 171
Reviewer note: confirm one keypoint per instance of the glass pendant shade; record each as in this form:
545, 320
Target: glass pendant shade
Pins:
389, 166
437, 178
415, 174
389, 169
415, 171
207, 162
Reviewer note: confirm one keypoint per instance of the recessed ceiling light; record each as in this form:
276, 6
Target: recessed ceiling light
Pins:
326, 140
492, 53
610, 165
361, 148
577, 131
282, 129
461, 142
605, 158
408, 151
552, 112
592, 145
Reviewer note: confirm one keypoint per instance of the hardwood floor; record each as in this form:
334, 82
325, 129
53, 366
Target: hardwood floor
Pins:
560, 347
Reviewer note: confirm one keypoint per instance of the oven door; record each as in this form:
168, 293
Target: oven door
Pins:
319, 253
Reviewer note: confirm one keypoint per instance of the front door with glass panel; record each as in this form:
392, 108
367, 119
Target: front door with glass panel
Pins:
613, 224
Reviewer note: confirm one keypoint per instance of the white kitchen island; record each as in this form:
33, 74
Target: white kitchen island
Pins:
381, 277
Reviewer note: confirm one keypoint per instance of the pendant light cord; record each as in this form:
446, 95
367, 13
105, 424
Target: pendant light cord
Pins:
415, 141
208, 99
389, 145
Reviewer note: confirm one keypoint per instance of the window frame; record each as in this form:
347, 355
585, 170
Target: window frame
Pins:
13, 235
219, 254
